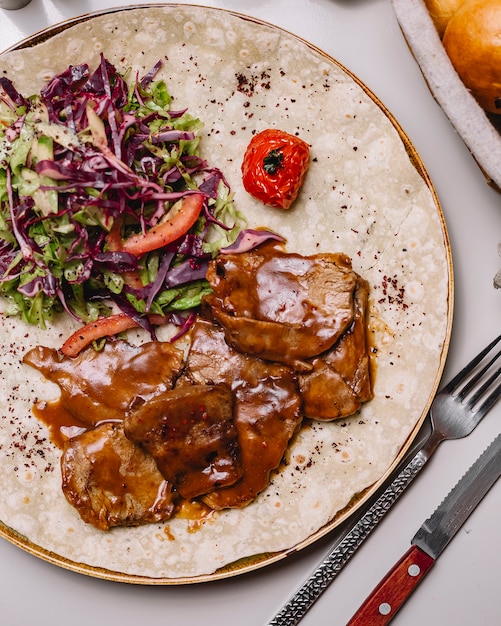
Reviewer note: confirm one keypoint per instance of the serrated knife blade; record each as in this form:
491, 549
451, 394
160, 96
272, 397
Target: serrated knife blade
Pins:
431, 540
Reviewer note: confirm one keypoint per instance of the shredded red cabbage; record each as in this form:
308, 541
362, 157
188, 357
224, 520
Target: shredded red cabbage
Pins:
249, 239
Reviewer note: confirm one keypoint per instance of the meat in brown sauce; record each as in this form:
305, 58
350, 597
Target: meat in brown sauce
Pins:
340, 380
100, 385
281, 306
284, 336
189, 431
112, 482
267, 409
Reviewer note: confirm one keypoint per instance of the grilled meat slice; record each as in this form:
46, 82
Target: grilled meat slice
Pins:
190, 433
281, 306
112, 482
98, 386
267, 409
340, 380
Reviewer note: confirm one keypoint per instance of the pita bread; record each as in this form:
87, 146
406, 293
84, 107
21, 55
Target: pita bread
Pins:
366, 194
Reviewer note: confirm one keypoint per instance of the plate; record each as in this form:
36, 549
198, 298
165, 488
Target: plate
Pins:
367, 194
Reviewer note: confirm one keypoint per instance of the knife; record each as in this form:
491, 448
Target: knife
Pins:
431, 540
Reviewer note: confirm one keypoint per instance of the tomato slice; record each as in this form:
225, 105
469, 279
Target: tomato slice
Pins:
102, 327
115, 244
176, 223
274, 167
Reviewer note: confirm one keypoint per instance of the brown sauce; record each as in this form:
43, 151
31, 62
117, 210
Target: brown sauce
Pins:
61, 423
100, 386
195, 512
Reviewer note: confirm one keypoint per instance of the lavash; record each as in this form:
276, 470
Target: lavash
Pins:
366, 194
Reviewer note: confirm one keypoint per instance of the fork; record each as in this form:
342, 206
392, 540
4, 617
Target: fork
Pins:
454, 413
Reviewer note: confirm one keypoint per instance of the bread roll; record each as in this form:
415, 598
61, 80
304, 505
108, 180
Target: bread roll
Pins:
441, 12
472, 40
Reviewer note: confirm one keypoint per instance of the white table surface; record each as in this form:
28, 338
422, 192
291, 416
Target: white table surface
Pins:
464, 586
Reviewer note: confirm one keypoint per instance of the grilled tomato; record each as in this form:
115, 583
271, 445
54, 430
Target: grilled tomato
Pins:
274, 167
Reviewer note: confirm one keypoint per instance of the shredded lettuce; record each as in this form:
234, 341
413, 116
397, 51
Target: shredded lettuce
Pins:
88, 157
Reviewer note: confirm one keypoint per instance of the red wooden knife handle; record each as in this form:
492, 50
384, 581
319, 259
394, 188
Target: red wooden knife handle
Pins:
393, 590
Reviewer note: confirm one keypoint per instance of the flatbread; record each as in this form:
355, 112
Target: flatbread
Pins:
366, 194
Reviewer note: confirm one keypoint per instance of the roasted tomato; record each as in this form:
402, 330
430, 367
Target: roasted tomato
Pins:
274, 166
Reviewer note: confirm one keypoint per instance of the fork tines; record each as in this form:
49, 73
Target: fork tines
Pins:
477, 378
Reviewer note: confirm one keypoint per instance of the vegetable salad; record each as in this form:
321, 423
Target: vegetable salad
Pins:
105, 202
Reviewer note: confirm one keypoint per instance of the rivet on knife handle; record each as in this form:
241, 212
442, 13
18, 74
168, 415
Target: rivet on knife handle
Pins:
297, 607
394, 589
